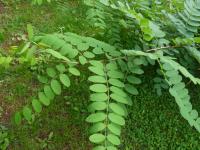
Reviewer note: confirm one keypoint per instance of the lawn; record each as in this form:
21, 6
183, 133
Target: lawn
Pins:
153, 123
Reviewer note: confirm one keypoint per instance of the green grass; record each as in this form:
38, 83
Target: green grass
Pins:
153, 123
60, 17
68, 128
156, 123
65, 118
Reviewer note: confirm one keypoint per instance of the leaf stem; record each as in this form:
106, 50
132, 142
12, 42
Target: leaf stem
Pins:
107, 109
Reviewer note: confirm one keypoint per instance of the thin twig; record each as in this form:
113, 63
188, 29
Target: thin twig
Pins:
122, 57
166, 47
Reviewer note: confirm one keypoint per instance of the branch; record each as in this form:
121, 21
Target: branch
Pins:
166, 47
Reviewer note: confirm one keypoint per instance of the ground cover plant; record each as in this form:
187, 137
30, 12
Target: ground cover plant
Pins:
100, 65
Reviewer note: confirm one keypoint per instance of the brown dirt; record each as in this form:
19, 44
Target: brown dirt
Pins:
10, 107
7, 111
1, 7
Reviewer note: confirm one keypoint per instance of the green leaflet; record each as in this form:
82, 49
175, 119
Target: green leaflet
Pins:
123, 65
82, 60
18, 118
97, 106
83, 46
51, 72
181, 93
179, 86
133, 80
96, 63
118, 91
25, 48
74, 71
113, 52
61, 68
139, 61
119, 99
57, 55
137, 71
97, 70
116, 119
67, 50
52, 40
131, 89
97, 127
97, 138
98, 97
115, 129
43, 99
72, 53
167, 67
194, 114
56, 87
99, 88
97, 51
130, 103
27, 113
113, 139
171, 73
115, 74
112, 66
37, 106
116, 82
48, 92
65, 80
42, 79
75, 41
88, 55
175, 79
96, 117
30, 31
116, 108
30, 54
97, 79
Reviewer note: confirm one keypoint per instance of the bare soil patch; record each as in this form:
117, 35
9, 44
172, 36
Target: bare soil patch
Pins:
1, 7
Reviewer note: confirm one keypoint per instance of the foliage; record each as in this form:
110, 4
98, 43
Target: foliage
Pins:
189, 22
111, 88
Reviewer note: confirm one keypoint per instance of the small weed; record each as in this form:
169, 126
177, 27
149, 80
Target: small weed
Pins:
46, 142
4, 141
